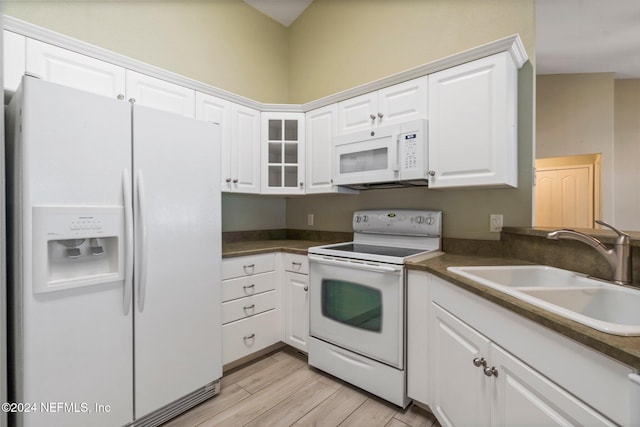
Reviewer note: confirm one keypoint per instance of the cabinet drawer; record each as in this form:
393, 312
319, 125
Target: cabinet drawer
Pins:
247, 266
247, 307
247, 336
248, 286
296, 263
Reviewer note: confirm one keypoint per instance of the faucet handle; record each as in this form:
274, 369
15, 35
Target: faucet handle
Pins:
620, 233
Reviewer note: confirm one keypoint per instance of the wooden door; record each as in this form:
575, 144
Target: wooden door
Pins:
565, 197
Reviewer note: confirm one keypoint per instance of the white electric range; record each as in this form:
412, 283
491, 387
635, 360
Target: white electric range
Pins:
357, 300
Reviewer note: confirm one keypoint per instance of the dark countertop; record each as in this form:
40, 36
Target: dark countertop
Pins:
255, 247
623, 349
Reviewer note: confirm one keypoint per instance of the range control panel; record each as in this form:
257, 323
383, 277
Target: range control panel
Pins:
399, 221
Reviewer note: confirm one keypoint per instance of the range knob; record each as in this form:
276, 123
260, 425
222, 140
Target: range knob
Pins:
430, 220
420, 219
358, 218
365, 218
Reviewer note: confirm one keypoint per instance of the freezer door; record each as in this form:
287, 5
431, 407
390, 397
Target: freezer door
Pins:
178, 257
71, 348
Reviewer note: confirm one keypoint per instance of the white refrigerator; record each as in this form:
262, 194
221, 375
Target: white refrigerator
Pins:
114, 263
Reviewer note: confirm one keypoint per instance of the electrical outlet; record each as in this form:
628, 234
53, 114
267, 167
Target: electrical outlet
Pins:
495, 223
310, 219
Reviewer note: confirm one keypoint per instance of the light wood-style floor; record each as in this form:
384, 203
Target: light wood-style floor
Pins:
280, 389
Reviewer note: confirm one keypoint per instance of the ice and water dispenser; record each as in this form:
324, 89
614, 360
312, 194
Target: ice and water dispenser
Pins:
77, 246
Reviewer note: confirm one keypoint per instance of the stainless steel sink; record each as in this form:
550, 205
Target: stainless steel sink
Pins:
600, 305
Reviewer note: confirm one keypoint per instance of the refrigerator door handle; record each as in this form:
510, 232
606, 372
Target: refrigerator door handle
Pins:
142, 226
128, 221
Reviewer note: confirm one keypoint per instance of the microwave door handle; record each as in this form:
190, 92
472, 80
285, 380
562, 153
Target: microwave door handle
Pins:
356, 265
395, 153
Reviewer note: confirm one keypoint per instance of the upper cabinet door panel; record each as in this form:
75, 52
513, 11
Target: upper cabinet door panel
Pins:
321, 129
245, 149
72, 69
358, 113
472, 111
216, 110
402, 102
14, 59
161, 95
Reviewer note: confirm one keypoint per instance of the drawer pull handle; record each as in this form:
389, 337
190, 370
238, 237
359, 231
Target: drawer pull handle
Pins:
249, 289
298, 264
249, 337
250, 266
249, 307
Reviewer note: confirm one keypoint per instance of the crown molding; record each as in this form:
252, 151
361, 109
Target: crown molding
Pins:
512, 44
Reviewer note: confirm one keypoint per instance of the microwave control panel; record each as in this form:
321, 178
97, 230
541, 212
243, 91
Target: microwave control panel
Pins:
409, 150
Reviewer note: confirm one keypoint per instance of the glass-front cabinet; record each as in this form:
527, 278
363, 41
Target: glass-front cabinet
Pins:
283, 153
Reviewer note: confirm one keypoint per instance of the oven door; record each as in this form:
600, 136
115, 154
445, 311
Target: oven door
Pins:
358, 306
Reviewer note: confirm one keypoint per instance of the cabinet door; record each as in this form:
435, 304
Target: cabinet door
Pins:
245, 149
72, 69
402, 102
283, 153
216, 110
472, 124
14, 51
524, 397
161, 95
461, 391
322, 127
297, 310
359, 113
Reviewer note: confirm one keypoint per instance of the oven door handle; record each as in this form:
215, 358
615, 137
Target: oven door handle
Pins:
356, 264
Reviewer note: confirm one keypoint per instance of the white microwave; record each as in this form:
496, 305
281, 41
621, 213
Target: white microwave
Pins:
385, 157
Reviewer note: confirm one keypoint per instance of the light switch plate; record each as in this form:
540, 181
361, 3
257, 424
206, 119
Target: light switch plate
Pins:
495, 223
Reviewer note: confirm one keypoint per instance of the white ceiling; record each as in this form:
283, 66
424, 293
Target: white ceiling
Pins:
588, 36
572, 36
283, 11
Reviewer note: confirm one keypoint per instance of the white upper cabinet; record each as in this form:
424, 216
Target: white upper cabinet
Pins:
243, 174
62, 66
473, 124
283, 158
393, 104
216, 110
14, 59
322, 127
161, 95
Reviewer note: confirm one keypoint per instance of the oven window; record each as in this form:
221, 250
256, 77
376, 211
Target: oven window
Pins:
352, 304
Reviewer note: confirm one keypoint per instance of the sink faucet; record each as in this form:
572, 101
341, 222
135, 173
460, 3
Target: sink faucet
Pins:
619, 258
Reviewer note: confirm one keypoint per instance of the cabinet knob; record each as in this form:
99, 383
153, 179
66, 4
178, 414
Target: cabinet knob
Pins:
432, 173
372, 116
479, 362
132, 100
301, 185
235, 181
306, 288
228, 180
380, 116
491, 372
120, 97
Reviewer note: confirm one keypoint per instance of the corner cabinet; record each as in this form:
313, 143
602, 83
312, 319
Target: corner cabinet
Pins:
282, 151
473, 124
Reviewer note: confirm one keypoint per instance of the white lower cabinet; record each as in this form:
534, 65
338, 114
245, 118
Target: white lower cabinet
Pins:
250, 311
296, 301
478, 383
475, 363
